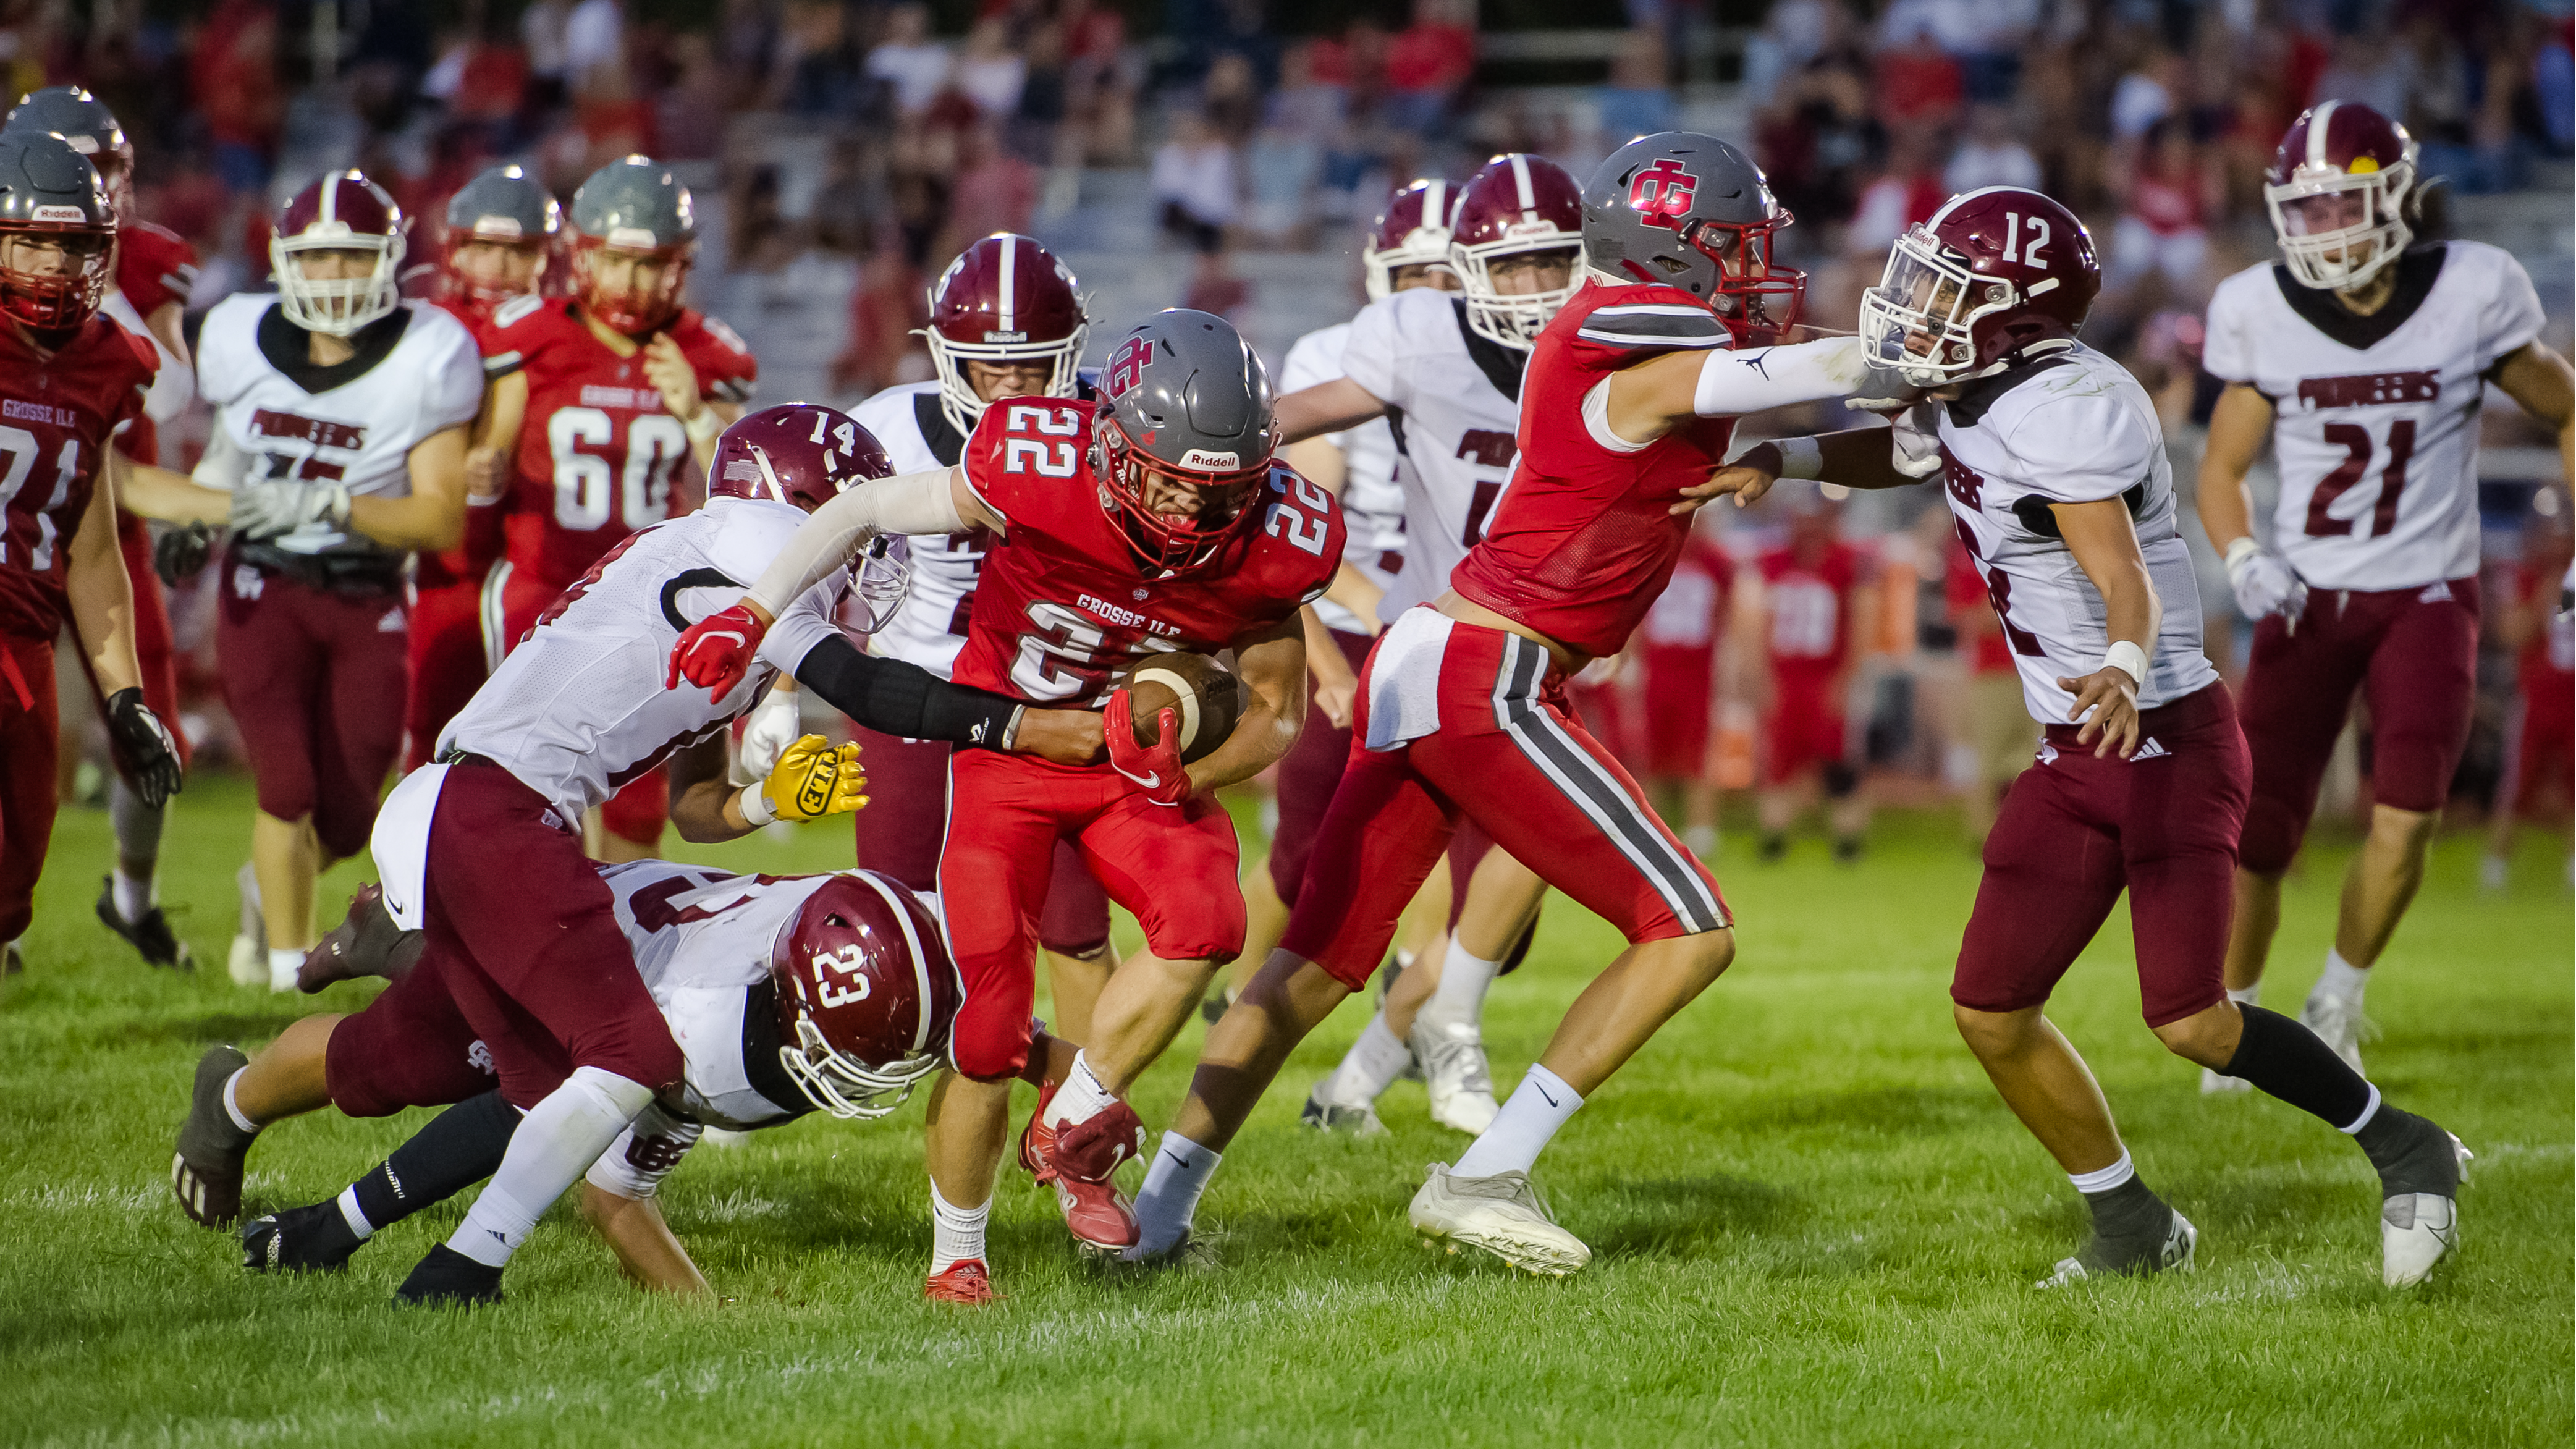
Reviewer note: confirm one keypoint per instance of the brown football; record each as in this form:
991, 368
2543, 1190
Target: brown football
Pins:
1208, 698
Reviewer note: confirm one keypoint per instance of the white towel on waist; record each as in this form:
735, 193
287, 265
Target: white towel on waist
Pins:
1404, 679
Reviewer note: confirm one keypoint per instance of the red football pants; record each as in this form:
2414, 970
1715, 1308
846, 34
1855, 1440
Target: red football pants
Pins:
1805, 726
1173, 866
1509, 755
315, 680
28, 728
513, 597
445, 663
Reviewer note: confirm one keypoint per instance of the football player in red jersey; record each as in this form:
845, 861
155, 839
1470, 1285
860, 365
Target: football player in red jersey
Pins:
1155, 521
1462, 704
2363, 362
2540, 732
606, 398
70, 379
498, 247
154, 271
1817, 593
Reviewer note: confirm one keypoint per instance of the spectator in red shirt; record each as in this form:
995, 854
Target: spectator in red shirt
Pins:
235, 78
1918, 84
2162, 227
1429, 64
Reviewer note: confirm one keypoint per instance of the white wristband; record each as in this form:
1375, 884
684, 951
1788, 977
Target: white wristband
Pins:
1800, 458
704, 426
755, 805
2124, 655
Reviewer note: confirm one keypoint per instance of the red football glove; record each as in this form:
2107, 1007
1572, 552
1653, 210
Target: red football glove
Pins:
1157, 773
715, 653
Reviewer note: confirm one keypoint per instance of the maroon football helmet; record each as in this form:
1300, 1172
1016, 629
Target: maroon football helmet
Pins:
1413, 231
1992, 274
2337, 192
866, 994
342, 211
1005, 299
1517, 203
805, 454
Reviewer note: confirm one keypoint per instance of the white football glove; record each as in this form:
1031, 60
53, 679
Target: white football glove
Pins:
1914, 436
265, 510
2264, 581
775, 723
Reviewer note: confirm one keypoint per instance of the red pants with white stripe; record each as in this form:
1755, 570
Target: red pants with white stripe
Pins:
1510, 756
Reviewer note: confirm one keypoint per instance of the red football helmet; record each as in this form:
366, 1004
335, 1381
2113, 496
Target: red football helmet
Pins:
1517, 203
1413, 231
1992, 274
343, 211
2337, 192
1005, 299
866, 995
804, 454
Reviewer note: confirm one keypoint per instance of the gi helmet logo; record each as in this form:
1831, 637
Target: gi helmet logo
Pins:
1663, 189
1127, 366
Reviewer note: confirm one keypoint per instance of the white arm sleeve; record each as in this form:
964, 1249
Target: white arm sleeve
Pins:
906, 503
635, 1164
1732, 384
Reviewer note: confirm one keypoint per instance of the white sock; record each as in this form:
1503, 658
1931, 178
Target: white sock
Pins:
2103, 1179
1700, 839
1459, 999
1082, 1095
955, 1233
2368, 1111
133, 897
353, 1215
1539, 1106
555, 1143
1370, 1067
1170, 1198
232, 1104
2342, 980
283, 963
2247, 996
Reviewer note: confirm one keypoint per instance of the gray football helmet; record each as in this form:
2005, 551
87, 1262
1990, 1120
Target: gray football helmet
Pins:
52, 197
505, 205
1186, 401
634, 205
92, 129
1679, 209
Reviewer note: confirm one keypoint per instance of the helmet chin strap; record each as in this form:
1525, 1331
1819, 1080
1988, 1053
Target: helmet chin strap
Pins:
2028, 351
760, 455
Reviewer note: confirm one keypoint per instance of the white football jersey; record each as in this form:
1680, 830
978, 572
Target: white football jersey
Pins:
2072, 428
2376, 418
401, 389
1372, 501
579, 708
1456, 414
930, 628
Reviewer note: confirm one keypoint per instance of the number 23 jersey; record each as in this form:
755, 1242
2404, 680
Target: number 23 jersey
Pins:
2072, 427
2376, 418
1063, 606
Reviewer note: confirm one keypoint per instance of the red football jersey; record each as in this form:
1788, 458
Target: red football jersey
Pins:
155, 266
1063, 607
1582, 542
470, 559
1811, 613
597, 452
56, 416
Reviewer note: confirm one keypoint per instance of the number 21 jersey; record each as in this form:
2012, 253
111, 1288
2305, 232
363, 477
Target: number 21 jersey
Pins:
2376, 418
1063, 605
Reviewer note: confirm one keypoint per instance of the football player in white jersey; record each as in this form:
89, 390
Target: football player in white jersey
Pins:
2362, 360
481, 850
2054, 468
1444, 371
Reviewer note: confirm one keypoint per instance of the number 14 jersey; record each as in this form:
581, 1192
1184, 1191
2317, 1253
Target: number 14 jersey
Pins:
1063, 606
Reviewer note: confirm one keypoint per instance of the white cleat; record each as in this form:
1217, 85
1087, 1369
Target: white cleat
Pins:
2418, 1230
2181, 1249
2215, 1084
2339, 1024
1502, 1214
247, 963
1454, 1073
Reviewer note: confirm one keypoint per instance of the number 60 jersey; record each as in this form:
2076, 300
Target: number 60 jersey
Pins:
2376, 417
1064, 606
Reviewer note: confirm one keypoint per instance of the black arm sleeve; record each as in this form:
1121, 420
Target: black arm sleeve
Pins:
905, 700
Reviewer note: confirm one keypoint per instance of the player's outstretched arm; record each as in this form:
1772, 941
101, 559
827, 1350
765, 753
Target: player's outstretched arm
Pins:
1327, 407
909, 702
2105, 545
1651, 398
164, 496
647, 1251
432, 518
2535, 376
1854, 458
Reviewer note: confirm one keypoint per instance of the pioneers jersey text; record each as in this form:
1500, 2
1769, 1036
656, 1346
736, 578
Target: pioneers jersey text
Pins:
416, 374
1063, 607
2073, 427
2376, 419
57, 414
578, 709
1373, 506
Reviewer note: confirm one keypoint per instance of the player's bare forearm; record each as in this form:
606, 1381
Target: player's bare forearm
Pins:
2238, 427
505, 409
164, 496
2542, 382
1272, 666
432, 518
704, 805
1319, 461
101, 596
646, 1250
1327, 407
703, 439
2105, 544
1358, 593
1336, 684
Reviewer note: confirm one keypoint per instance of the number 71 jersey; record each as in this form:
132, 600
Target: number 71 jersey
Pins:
1064, 606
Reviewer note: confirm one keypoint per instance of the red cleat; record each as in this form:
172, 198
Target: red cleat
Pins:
1038, 1140
964, 1281
1098, 1215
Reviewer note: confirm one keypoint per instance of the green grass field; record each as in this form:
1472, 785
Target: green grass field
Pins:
1815, 1224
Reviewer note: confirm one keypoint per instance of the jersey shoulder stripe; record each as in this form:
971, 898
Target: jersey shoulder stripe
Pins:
1654, 325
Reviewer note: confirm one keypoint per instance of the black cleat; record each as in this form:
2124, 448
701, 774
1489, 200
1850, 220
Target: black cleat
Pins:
206, 1172
148, 933
1847, 850
312, 1239
1772, 848
448, 1279
366, 943
1212, 1007
2169, 1247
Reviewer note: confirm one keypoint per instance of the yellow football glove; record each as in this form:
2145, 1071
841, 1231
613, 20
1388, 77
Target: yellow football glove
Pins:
815, 778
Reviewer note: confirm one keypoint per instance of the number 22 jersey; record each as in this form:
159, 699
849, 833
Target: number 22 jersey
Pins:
2376, 418
1063, 605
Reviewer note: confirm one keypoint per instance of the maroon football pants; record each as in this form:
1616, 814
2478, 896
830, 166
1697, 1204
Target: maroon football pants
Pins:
314, 678
28, 728
1307, 775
